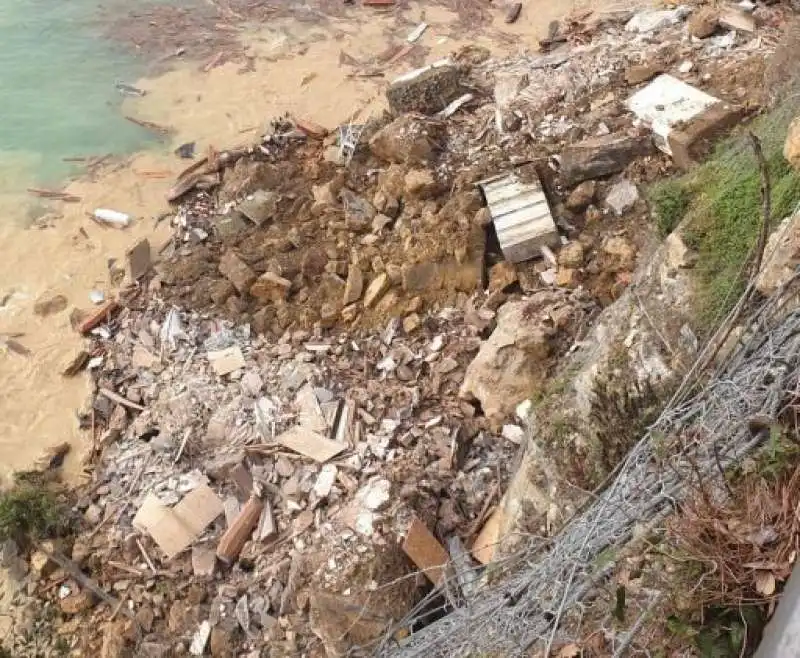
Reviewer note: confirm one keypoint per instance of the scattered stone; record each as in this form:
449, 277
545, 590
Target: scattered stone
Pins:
791, 147
622, 197
736, 19
270, 287
513, 433
639, 73
566, 277
49, 304
407, 139
411, 323
376, 290
226, 361
221, 643
427, 90
571, 255
581, 196
204, 561
354, 286
703, 22
622, 252
239, 273
503, 276
259, 206
421, 184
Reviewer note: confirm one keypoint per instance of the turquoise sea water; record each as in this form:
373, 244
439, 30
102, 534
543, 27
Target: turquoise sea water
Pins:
57, 94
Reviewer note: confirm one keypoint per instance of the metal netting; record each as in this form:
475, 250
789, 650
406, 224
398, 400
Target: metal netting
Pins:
703, 431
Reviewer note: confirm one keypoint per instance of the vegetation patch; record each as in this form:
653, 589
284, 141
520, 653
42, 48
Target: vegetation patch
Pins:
721, 202
29, 512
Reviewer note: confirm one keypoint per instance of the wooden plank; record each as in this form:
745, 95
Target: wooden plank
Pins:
310, 443
426, 552
98, 316
239, 532
485, 544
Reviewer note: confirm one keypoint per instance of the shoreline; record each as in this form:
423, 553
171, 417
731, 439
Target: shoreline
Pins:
292, 67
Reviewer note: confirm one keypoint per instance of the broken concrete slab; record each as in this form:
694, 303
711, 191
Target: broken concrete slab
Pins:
681, 116
601, 156
427, 90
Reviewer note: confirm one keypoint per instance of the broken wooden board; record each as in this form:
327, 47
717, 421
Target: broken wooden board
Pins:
485, 544
309, 443
426, 552
175, 528
239, 532
226, 361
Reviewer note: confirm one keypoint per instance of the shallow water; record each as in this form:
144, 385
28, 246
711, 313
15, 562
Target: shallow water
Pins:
57, 75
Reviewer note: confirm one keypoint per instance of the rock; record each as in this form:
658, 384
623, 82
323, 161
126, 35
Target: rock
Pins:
566, 277
703, 22
340, 623
571, 255
427, 90
407, 139
503, 276
421, 184
411, 323
200, 639
41, 565
783, 247
230, 225
511, 364
314, 262
48, 304
77, 602
601, 156
239, 273
270, 287
419, 277
259, 206
791, 147
622, 197
222, 644
377, 289
145, 617
354, 286
358, 212
581, 196
622, 253
204, 561
639, 73
114, 643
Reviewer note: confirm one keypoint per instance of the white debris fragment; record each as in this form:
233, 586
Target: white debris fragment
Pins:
513, 433
325, 480
653, 21
200, 639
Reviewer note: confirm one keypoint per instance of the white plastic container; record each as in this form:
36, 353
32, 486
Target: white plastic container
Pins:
112, 217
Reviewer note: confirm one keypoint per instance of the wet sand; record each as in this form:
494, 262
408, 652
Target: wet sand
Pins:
294, 67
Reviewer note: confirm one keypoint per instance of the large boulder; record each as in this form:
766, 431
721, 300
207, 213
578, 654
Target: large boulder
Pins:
407, 140
513, 363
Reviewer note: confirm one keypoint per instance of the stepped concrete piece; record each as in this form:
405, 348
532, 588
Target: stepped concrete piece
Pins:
681, 116
521, 216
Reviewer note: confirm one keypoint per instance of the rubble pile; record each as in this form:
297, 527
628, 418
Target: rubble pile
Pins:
311, 399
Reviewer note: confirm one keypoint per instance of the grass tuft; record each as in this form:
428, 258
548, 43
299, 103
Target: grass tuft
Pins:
670, 200
30, 512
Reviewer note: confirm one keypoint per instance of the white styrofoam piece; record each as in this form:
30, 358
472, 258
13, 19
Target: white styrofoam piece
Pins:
666, 102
